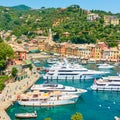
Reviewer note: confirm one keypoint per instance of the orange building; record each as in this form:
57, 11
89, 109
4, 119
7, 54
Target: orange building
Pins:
61, 48
19, 52
92, 51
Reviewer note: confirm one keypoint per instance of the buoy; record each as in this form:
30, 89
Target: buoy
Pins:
108, 107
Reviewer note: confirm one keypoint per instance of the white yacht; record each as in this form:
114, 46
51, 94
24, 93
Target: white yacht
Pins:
116, 64
49, 87
55, 98
26, 115
71, 71
105, 66
91, 61
36, 62
52, 61
110, 83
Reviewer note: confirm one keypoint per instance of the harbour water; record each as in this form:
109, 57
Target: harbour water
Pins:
93, 105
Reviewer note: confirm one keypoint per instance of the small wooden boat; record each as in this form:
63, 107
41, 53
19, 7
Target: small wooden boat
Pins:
26, 115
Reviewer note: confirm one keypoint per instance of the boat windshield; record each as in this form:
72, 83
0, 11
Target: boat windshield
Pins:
50, 85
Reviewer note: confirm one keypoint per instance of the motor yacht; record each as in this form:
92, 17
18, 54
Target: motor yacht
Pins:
91, 61
36, 62
105, 66
52, 61
71, 71
110, 83
49, 87
55, 98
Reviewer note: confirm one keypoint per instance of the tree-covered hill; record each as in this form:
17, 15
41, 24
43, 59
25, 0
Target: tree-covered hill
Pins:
71, 20
21, 7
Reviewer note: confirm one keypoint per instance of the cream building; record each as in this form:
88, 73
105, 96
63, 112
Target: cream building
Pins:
84, 51
92, 16
111, 54
111, 20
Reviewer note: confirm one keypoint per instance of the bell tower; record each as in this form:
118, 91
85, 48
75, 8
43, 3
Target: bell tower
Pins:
50, 35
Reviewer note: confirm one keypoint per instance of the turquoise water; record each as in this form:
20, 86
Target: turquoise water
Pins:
93, 105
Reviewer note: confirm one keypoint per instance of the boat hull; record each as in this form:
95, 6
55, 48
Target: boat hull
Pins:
26, 115
77, 77
48, 103
66, 90
105, 88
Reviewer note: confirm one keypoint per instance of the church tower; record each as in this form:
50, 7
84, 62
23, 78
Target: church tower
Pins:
50, 35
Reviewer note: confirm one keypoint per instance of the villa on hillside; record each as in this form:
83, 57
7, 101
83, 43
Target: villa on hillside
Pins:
114, 20
92, 17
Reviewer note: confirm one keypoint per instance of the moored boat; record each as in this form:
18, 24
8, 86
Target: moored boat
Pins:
110, 83
36, 62
26, 115
105, 66
52, 61
50, 87
71, 71
55, 98
91, 61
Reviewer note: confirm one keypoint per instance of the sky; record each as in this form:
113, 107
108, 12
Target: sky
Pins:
106, 5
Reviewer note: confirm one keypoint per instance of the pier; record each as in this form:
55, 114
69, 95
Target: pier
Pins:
38, 56
12, 90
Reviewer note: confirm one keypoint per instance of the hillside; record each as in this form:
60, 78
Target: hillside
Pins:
21, 7
67, 24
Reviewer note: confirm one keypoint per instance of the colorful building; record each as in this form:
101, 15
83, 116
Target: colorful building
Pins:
114, 20
92, 16
111, 54
84, 52
99, 47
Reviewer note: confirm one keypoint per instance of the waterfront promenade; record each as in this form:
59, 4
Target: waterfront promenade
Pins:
13, 90
38, 56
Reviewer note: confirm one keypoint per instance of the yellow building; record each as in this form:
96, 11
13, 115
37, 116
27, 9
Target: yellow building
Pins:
111, 54
111, 20
84, 51
99, 47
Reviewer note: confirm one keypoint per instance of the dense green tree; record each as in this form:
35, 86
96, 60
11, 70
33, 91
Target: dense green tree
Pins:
2, 64
2, 81
1, 40
72, 19
48, 118
14, 72
30, 67
77, 116
5, 52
